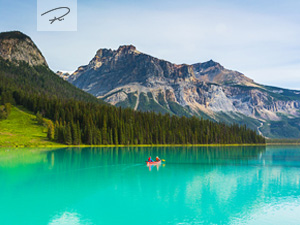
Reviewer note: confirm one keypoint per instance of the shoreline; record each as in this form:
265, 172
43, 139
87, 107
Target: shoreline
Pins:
154, 145
121, 146
278, 144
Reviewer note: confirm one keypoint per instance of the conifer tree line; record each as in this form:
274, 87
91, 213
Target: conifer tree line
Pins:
75, 121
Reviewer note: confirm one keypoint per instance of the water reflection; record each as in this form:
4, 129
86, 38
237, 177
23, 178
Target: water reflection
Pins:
68, 218
85, 157
208, 185
63, 159
156, 167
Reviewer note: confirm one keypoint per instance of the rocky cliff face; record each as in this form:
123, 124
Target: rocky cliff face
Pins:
16, 46
129, 78
63, 75
213, 72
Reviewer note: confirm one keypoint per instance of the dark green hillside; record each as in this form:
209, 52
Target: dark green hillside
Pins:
39, 80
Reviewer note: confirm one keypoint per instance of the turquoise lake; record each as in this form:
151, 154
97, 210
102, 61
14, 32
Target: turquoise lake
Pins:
196, 185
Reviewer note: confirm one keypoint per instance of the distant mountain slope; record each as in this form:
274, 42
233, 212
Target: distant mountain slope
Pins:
23, 66
129, 78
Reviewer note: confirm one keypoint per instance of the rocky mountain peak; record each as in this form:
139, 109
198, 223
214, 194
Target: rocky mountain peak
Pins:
104, 52
107, 55
110, 69
122, 50
16, 46
14, 35
214, 72
127, 49
210, 63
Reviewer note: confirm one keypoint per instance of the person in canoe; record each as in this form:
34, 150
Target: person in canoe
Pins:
157, 159
150, 159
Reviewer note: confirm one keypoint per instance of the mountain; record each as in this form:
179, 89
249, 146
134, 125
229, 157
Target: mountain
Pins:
76, 117
16, 46
128, 78
23, 67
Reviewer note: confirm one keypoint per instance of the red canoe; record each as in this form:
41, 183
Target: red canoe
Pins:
153, 163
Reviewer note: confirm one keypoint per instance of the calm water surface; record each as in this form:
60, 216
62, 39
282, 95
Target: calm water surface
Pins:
197, 185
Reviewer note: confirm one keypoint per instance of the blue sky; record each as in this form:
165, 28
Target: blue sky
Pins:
258, 38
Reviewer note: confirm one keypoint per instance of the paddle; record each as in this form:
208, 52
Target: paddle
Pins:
161, 160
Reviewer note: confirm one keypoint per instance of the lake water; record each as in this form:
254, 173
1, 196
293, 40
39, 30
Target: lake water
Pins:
196, 185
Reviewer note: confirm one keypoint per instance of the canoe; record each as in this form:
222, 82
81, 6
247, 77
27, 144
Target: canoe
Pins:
153, 163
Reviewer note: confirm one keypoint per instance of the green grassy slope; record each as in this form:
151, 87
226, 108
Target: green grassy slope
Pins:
21, 129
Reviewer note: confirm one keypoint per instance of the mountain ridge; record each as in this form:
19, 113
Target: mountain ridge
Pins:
128, 78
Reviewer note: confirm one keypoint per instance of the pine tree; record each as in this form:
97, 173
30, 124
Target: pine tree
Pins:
79, 133
56, 131
111, 137
51, 130
39, 118
116, 142
68, 138
75, 136
98, 137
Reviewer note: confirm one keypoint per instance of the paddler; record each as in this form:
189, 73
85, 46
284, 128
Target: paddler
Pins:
157, 159
150, 159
